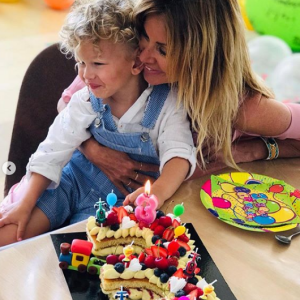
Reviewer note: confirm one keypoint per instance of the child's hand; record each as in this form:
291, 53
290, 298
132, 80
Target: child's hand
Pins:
18, 214
130, 199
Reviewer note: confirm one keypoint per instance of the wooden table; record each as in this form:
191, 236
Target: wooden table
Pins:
254, 264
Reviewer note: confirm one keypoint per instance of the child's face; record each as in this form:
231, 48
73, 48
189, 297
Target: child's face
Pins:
108, 73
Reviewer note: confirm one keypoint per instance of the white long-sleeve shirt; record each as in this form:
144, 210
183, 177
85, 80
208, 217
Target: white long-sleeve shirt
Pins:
171, 135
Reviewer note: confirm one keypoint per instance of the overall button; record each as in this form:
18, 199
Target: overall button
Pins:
145, 137
97, 122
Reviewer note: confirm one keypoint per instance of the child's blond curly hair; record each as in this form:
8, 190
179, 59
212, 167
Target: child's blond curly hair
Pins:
96, 20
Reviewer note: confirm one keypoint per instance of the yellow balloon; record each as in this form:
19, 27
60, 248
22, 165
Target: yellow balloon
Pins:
225, 176
241, 177
179, 230
227, 187
283, 215
244, 14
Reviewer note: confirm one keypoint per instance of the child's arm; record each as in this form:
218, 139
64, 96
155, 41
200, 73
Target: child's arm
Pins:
20, 213
173, 174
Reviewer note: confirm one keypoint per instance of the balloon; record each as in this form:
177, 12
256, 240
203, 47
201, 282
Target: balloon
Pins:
206, 187
277, 18
264, 220
272, 206
221, 203
179, 230
240, 177
285, 80
178, 210
276, 188
59, 4
253, 181
111, 199
227, 187
173, 247
265, 53
244, 14
283, 215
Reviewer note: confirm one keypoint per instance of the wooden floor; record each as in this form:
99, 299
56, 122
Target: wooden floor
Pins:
26, 28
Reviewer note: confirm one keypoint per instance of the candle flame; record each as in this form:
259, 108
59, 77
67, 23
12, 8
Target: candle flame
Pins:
147, 187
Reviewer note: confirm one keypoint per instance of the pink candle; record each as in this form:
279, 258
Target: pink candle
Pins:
146, 206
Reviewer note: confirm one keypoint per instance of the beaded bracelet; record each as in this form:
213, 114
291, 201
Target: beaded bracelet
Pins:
272, 147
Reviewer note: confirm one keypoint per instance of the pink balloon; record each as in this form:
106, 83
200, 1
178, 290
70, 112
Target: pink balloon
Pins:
206, 187
220, 202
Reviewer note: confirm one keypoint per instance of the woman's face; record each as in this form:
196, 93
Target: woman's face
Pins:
153, 50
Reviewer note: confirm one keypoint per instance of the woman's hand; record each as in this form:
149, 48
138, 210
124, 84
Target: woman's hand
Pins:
243, 151
16, 213
120, 169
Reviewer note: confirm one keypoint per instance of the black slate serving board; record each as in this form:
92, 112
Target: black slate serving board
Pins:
87, 287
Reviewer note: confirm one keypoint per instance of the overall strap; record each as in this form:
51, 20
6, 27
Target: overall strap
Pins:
155, 104
103, 112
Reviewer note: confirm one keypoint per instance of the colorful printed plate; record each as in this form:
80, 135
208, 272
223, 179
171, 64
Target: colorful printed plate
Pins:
252, 202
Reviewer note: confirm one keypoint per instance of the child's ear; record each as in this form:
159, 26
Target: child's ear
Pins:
138, 66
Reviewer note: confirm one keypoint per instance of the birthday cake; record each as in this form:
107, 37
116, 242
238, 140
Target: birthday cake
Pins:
147, 259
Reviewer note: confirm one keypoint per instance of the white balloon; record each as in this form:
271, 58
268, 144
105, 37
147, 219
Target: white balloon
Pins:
266, 52
285, 80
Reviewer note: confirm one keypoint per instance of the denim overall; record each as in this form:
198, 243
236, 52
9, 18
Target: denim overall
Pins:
82, 183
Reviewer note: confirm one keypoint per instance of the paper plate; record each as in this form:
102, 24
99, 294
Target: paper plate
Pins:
252, 202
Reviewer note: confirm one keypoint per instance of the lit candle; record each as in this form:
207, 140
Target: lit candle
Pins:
146, 206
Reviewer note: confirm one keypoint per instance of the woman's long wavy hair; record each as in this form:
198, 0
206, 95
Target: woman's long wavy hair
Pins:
96, 20
207, 57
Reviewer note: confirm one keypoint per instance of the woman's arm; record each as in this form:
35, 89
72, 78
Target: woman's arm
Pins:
263, 116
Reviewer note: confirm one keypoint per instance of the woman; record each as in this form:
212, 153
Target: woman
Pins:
199, 47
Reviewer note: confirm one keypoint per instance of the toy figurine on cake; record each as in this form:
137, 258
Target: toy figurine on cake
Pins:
77, 257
